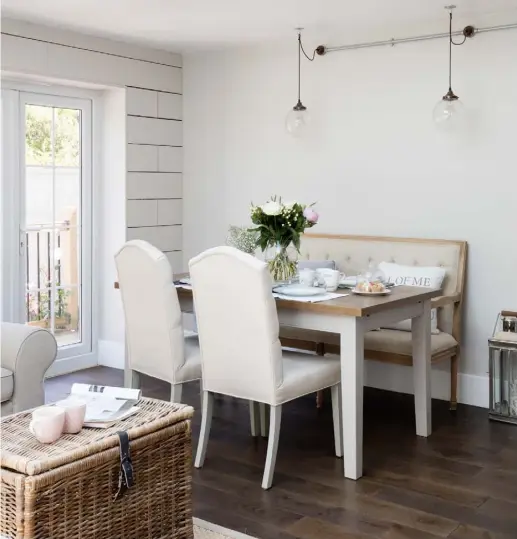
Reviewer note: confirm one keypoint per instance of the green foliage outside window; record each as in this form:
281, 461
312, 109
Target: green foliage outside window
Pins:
39, 136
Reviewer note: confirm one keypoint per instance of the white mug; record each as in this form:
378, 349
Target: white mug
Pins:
330, 278
47, 423
75, 410
307, 276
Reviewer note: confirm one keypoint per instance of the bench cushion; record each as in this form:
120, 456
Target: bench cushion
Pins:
385, 340
7, 384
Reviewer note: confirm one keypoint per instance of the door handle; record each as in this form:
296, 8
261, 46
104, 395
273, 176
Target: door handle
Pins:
22, 243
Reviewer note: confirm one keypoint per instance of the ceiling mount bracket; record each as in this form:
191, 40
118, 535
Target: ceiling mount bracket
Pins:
469, 31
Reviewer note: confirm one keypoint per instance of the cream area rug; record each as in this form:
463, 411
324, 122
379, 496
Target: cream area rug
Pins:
207, 530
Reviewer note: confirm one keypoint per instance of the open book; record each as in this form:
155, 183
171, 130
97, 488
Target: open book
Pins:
106, 405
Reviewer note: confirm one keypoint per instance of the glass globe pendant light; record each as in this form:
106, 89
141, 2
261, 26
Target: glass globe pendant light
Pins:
449, 108
298, 118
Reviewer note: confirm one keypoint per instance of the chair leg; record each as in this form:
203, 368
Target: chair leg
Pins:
272, 446
264, 419
454, 381
206, 422
319, 399
254, 418
134, 379
320, 351
176, 391
337, 419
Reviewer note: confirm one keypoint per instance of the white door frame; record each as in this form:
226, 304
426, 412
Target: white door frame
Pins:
10, 170
70, 357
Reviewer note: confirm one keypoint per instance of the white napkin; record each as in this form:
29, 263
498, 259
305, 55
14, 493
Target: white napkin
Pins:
309, 299
185, 286
185, 283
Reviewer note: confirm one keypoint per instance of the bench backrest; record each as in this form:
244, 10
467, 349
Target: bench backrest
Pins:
353, 254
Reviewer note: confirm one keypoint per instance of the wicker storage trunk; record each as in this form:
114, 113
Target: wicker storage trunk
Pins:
66, 490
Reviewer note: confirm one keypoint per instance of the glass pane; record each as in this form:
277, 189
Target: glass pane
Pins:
513, 383
37, 307
38, 135
38, 196
67, 143
53, 220
67, 327
38, 251
67, 196
67, 255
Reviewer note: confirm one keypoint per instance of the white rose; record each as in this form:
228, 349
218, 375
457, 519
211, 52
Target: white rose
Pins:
272, 208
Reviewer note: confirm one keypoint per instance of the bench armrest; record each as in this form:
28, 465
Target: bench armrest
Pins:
442, 301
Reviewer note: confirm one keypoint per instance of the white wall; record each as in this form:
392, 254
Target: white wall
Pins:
142, 104
373, 161
111, 232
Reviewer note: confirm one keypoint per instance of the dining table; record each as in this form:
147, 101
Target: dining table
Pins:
351, 316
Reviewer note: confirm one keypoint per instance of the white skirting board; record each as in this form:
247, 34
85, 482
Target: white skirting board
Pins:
111, 354
472, 389
71, 364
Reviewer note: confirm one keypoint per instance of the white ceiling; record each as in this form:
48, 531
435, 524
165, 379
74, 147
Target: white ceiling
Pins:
197, 24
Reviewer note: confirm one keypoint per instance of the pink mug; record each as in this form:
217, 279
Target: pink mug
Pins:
75, 410
47, 423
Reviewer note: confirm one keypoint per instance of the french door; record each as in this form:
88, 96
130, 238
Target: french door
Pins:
48, 215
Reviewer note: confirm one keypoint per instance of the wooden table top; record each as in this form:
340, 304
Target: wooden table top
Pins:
353, 304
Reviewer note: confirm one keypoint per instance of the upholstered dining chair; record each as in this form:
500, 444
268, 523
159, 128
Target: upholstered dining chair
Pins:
241, 353
156, 344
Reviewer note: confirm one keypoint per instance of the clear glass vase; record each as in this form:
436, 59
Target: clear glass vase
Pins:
281, 267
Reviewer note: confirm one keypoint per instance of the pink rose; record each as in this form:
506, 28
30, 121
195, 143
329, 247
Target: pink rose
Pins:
310, 215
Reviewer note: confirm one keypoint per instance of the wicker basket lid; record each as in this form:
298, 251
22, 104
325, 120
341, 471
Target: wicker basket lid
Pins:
22, 452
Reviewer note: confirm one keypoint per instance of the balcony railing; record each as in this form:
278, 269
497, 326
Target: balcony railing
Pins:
52, 277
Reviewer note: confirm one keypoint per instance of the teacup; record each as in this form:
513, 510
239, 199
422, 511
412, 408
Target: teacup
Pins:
307, 276
329, 278
75, 410
47, 423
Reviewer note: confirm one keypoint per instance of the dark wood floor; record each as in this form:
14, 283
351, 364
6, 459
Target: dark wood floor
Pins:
460, 483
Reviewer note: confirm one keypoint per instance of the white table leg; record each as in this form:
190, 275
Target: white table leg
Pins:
128, 374
352, 374
421, 336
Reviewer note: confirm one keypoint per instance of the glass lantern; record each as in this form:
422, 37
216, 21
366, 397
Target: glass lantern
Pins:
372, 276
502, 348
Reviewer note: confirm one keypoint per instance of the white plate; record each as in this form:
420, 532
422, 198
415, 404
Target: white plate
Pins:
299, 290
361, 293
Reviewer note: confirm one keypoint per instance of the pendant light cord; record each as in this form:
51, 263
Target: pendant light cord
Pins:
299, 65
450, 51
300, 50
303, 50
451, 43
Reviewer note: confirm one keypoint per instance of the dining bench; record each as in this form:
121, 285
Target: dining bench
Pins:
353, 255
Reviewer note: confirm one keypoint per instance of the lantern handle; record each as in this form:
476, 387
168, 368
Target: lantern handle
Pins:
508, 313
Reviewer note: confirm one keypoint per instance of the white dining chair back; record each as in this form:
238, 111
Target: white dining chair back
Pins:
154, 330
241, 354
237, 323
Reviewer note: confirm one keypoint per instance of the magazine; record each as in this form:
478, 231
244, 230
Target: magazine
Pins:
106, 405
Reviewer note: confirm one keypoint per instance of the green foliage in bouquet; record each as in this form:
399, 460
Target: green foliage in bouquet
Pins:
280, 224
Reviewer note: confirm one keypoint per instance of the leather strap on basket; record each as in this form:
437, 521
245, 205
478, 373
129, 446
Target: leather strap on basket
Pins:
125, 477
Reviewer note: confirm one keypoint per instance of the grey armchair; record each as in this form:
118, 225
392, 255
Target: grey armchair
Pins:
26, 354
